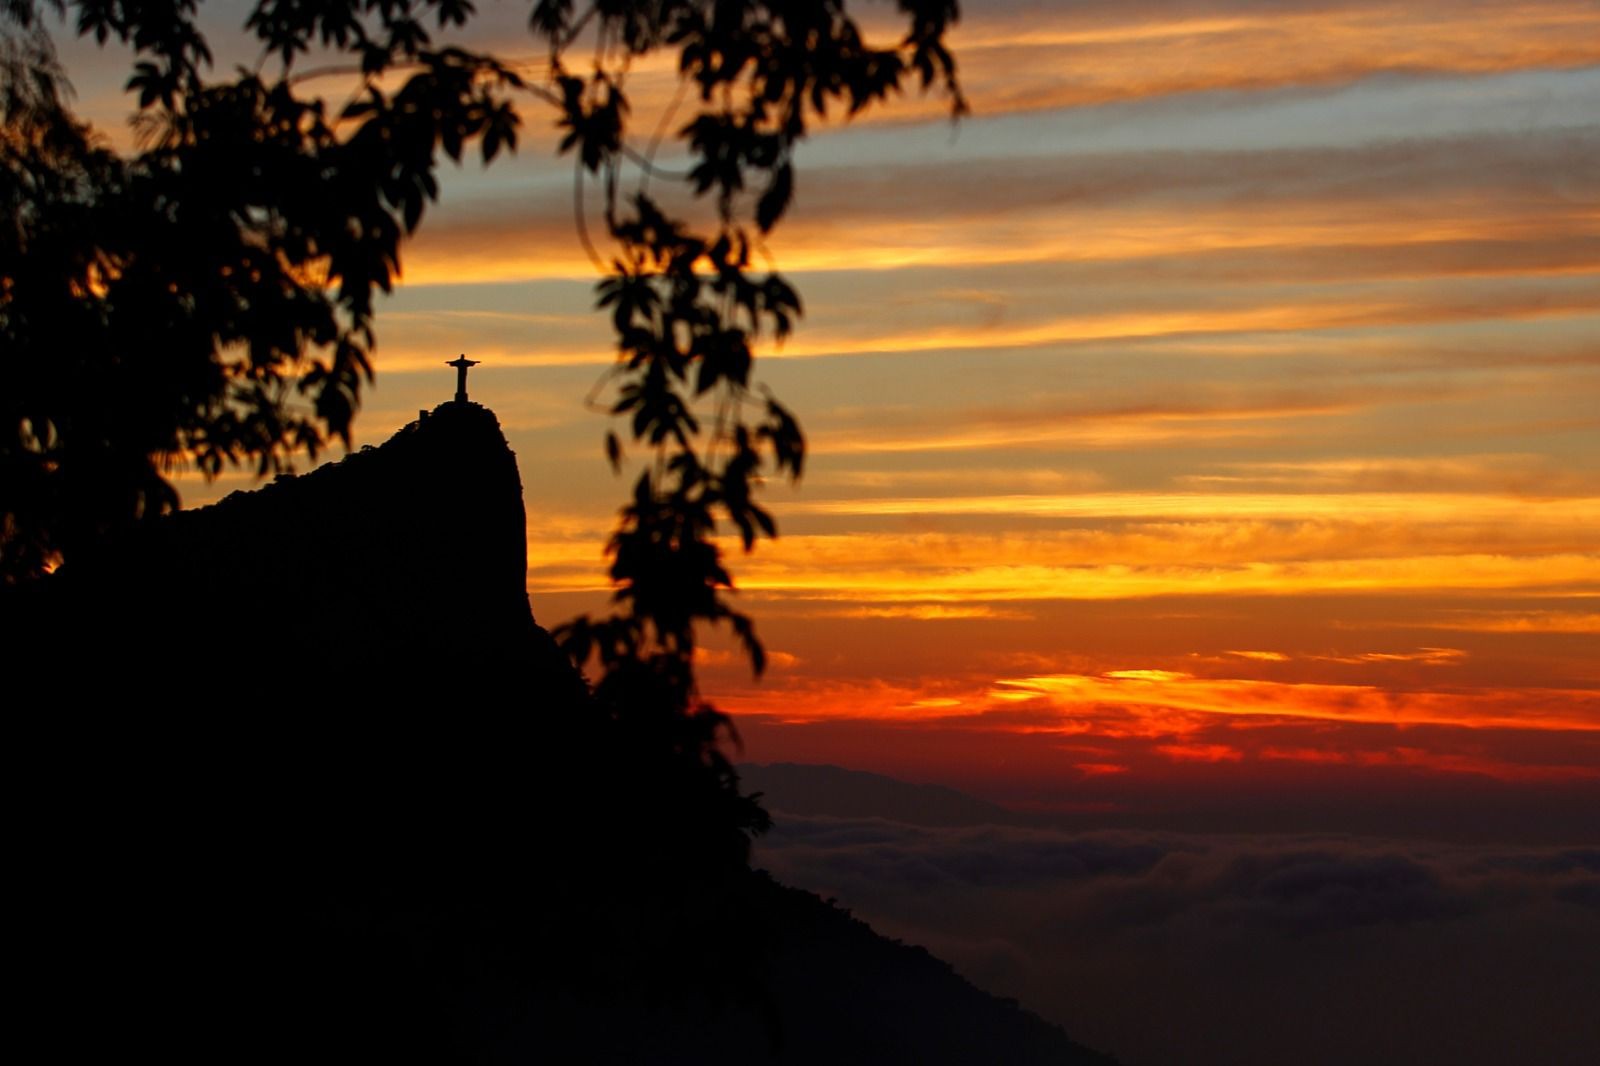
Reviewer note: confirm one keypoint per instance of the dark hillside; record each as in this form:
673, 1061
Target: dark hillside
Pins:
834, 993
300, 780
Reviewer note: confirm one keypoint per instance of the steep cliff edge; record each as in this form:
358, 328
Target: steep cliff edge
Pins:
408, 557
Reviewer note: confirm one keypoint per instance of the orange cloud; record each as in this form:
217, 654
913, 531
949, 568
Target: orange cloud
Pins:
1028, 430
1086, 55
1151, 724
1513, 475
1515, 622
928, 612
1329, 311
1426, 656
1207, 753
1218, 541
1490, 204
1443, 762
1349, 506
1099, 769
1013, 582
1156, 695
1452, 544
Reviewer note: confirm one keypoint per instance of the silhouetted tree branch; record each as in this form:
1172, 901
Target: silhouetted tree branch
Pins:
685, 302
210, 299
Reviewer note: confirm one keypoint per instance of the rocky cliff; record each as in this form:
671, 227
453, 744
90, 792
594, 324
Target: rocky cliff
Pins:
408, 558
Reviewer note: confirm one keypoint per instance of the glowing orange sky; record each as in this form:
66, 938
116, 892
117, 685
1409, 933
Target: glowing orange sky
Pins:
1222, 397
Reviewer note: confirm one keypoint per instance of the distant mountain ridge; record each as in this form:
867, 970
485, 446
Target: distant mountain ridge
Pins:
833, 791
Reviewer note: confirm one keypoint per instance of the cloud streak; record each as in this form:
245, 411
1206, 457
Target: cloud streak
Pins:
1051, 57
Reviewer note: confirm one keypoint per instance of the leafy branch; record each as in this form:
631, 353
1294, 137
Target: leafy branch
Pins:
215, 291
686, 306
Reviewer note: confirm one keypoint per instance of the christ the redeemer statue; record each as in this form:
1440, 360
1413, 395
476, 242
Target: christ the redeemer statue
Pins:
461, 363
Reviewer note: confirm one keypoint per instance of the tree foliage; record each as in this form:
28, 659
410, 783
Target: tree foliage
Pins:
210, 298
685, 301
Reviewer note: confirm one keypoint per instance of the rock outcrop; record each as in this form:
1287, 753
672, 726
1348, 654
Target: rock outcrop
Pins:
406, 560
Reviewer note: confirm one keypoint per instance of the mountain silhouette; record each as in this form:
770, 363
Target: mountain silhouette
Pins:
408, 555
303, 780
833, 791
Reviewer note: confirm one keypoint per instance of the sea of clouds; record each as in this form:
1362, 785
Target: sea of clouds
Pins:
1168, 948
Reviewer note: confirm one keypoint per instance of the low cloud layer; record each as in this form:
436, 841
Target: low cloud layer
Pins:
1171, 948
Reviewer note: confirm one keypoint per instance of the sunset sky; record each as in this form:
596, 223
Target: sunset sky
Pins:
1217, 407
